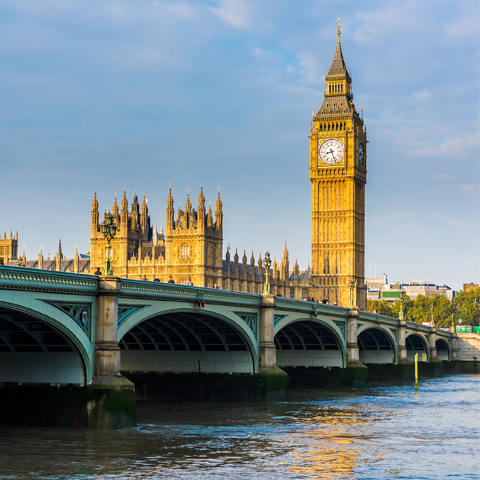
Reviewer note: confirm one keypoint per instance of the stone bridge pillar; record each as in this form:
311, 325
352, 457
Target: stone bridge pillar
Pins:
112, 402
268, 353
353, 354
272, 381
433, 346
402, 347
356, 372
453, 347
107, 351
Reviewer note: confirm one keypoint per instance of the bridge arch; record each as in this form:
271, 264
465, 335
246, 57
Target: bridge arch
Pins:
308, 341
167, 338
42, 344
377, 345
443, 349
417, 343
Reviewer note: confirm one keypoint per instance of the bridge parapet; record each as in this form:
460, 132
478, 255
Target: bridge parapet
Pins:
20, 278
377, 318
183, 293
292, 304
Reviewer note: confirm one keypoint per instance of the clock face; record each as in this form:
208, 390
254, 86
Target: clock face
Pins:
331, 151
361, 154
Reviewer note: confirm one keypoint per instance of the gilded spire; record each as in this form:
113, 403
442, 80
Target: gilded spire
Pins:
218, 204
115, 206
124, 201
95, 201
144, 205
170, 202
210, 216
201, 198
188, 203
338, 67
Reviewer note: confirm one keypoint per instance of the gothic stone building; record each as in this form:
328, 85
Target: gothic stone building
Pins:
190, 250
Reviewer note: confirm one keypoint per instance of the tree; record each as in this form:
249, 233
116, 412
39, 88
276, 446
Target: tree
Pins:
440, 306
407, 303
468, 304
380, 306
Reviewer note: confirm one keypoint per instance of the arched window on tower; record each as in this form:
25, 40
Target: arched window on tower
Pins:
185, 250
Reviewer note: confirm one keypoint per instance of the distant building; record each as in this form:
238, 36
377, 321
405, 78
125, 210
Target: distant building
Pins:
8, 247
380, 289
470, 286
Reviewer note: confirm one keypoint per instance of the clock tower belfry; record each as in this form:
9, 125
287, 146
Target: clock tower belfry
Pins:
338, 173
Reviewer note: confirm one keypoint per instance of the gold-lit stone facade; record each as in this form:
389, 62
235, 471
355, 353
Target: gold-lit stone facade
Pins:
338, 172
190, 250
8, 247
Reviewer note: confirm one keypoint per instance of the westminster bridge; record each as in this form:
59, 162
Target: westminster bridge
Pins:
79, 336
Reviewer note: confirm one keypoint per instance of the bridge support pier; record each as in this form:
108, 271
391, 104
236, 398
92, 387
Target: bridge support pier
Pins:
356, 372
402, 347
273, 380
114, 396
433, 346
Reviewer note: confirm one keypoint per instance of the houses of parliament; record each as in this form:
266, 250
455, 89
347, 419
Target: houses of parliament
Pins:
190, 249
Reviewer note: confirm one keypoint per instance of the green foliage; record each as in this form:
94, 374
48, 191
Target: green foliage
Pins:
421, 309
468, 304
407, 303
438, 305
380, 306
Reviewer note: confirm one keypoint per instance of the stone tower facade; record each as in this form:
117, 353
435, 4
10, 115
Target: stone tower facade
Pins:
338, 172
190, 250
8, 247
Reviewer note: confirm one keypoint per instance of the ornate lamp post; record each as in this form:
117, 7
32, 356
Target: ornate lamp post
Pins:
432, 321
400, 316
109, 230
351, 284
454, 308
266, 264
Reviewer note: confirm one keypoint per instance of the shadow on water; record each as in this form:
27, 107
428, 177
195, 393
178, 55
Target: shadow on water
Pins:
384, 432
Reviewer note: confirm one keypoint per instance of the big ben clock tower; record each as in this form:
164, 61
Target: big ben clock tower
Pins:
338, 172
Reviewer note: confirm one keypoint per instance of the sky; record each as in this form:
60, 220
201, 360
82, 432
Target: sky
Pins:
118, 94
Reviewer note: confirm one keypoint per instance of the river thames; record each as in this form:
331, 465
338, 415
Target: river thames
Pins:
379, 433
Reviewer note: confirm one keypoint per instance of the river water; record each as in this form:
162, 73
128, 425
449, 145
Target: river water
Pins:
379, 433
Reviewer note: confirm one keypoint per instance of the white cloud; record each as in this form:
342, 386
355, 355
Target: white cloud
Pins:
463, 28
236, 13
458, 224
442, 176
451, 147
382, 22
468, 188
311, 68
422, 95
